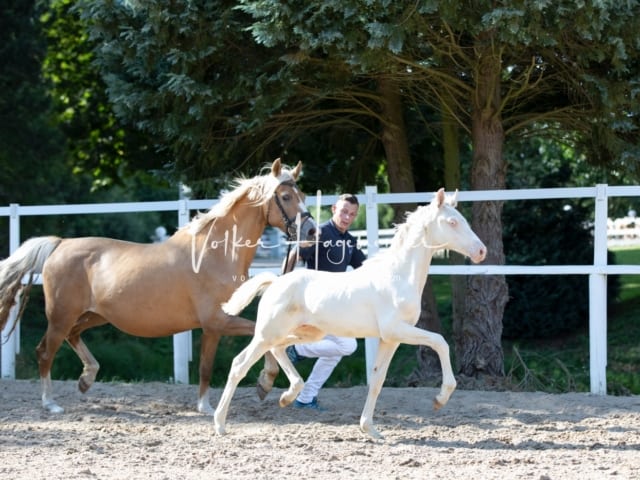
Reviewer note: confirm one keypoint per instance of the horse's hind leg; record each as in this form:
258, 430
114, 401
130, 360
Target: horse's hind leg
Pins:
90, 365
296, 383
45, 353
208, 348
239, 368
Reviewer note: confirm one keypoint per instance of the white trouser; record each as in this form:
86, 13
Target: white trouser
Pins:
329, 351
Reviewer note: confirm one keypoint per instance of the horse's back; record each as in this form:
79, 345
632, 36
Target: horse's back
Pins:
340, 303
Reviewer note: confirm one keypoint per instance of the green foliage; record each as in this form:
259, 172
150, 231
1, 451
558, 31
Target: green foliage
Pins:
31, 147
547, 233
543, 233
98, 144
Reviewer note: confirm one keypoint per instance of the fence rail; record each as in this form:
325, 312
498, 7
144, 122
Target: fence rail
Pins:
376, 238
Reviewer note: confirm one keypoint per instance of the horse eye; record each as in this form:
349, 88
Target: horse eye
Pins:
453, 222
286, 197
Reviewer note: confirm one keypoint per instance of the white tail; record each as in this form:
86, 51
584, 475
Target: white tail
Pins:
247, 292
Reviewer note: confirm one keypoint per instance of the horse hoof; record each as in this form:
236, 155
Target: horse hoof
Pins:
83, 385
205, 408
262, 393
54, 408
437, 405
372, 432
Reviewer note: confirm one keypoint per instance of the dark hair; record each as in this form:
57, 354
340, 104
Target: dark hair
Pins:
348, 197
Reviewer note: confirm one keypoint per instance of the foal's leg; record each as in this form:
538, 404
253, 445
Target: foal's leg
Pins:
380, 367
406, 333
234, 325
295, 380
239, 368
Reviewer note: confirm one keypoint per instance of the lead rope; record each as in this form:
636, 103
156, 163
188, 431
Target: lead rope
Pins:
289, 243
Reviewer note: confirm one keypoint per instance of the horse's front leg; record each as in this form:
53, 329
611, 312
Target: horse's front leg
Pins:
405, 333
208, 348
381, 365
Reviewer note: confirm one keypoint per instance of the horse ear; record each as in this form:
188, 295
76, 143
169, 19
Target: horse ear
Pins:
440, 197
454, 199
276, 167
295, 173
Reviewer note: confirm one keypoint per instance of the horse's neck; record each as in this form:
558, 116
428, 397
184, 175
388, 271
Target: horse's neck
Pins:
414, 264
234, 236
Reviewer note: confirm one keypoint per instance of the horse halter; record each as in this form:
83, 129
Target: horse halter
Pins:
290, 223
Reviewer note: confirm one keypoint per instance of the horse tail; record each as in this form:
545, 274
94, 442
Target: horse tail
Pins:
29, 260
247, 292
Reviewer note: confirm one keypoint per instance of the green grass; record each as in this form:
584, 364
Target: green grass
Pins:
557, 365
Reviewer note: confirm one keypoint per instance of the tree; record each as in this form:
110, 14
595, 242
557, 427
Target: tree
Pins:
221, 84
496, 69
98, 145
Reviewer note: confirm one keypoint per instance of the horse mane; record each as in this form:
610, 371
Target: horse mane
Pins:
405, 234
258, 190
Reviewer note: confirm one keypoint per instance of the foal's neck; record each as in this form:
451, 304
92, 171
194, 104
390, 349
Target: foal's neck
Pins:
415, 263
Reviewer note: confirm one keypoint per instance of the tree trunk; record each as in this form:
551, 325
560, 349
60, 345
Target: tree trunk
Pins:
394, 140
478, 336
396, 147
451, 153
428, 370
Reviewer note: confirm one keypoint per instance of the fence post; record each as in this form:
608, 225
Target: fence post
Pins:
598, 297
10, 343
371, 344
182, 342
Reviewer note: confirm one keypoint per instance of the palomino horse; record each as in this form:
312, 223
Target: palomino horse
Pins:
380, 299
154, 290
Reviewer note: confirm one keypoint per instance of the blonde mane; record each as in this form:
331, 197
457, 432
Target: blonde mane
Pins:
257, 190
407, 234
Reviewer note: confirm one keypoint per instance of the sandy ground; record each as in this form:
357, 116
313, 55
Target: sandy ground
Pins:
152, 431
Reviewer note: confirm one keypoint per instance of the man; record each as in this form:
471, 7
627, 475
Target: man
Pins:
337, 249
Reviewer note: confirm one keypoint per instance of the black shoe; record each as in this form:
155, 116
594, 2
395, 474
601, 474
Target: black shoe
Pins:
293, 355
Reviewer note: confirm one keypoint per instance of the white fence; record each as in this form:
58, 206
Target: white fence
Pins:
597, 272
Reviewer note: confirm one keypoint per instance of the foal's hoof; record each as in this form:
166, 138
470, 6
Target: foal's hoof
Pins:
437, 405
372, 432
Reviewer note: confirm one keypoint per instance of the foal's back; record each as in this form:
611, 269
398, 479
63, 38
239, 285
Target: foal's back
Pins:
345, 304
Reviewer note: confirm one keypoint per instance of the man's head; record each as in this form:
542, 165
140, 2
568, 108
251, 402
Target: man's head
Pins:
345, 211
